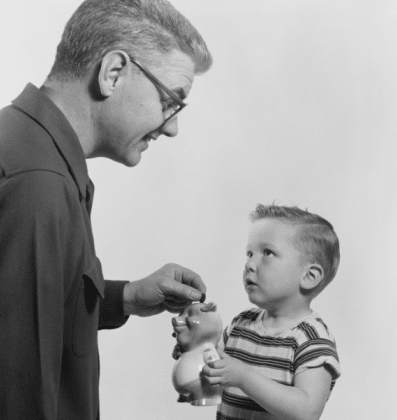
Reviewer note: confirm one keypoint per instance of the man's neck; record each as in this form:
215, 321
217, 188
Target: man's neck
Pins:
73, 100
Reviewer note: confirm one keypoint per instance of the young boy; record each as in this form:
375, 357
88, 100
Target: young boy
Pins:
279, 360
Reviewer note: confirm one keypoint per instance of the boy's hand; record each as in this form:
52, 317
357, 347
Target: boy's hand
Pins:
226, 371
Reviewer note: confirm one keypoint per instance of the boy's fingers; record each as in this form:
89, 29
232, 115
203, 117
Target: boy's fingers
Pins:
210, 376
205, 371
211, 364
215, 364
222, 354
212, 381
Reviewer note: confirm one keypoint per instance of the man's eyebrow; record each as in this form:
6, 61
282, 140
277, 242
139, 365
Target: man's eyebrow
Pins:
180, 93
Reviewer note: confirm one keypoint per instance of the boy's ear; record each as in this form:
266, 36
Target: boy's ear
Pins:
312, 277
113, 66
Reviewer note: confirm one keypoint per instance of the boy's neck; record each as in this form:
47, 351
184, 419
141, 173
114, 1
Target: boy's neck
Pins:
284, 317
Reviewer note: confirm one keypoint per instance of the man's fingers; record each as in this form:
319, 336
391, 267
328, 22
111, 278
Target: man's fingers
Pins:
194, 281
190, 278
173, 299
181, 291
175, 306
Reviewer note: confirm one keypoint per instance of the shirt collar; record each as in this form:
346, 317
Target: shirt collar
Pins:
39, 106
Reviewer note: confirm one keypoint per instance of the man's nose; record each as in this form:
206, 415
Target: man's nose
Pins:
170, 128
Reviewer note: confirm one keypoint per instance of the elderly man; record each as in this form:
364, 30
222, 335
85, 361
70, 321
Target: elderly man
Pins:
122, 71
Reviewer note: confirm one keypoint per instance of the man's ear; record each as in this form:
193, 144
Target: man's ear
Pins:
113, 66
312, 277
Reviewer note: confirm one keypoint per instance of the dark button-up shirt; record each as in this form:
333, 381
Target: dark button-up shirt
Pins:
53, 297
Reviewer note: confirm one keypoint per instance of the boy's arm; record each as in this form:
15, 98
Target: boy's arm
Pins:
303, 401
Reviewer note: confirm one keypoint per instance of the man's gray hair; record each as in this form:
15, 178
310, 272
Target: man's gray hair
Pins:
141, 28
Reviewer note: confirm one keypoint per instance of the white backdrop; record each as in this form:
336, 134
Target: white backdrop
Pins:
300, 108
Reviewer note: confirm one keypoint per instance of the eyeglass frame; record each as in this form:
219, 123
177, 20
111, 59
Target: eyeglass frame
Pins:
160, 85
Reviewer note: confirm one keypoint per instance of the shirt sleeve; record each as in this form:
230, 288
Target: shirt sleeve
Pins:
40, 250
222, 342
318, 352
225, 335
111, 312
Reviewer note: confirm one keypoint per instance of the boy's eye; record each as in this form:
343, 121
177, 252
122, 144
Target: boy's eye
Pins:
268, 253
249, 254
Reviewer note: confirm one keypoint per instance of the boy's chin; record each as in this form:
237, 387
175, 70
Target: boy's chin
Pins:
255, 301
252, 300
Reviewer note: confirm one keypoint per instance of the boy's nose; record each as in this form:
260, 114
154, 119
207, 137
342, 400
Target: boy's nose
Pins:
250, 266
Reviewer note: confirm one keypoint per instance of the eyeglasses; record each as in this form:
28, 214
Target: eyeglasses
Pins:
173, 104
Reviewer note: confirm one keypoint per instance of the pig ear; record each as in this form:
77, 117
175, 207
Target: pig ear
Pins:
209, 307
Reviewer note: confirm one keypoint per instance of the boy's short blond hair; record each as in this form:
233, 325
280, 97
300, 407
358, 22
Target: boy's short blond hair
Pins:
315, 238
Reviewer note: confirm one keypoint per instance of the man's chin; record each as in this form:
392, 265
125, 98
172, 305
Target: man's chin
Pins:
130, 160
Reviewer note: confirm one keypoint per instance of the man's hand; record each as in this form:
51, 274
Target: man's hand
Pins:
226, 372
171, 288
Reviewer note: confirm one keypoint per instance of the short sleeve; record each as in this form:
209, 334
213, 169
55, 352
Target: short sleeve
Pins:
222, 342
316, 353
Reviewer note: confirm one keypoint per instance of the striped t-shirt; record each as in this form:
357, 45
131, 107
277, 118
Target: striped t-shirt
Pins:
279, 355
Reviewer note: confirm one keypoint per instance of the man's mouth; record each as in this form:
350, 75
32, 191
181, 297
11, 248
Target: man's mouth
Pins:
148, 138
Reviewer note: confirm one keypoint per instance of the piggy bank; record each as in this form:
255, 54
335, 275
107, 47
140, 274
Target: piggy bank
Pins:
198, 330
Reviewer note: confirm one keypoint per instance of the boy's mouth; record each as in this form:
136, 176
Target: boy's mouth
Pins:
249, 282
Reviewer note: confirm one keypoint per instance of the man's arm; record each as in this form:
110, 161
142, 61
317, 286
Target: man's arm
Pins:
171, 288
111, 312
